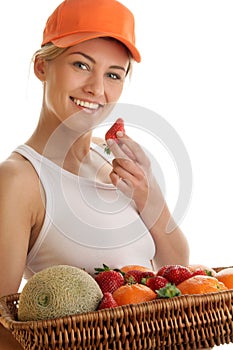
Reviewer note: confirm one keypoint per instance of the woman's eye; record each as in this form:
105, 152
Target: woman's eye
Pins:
81, 65
114, 76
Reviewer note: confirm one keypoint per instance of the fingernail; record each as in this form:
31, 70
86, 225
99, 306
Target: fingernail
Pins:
119, 134
110, 142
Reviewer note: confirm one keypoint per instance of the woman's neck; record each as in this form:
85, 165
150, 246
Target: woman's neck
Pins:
59, 143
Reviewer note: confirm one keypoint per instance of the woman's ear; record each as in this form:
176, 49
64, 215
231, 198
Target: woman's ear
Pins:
39, 68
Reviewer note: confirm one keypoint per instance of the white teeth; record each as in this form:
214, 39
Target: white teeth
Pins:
86, 104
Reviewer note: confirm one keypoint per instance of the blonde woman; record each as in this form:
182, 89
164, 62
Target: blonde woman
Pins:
56, 188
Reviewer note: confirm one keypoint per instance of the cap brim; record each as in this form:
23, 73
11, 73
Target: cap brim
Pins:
76, 38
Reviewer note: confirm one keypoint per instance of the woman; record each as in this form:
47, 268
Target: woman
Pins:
62, 202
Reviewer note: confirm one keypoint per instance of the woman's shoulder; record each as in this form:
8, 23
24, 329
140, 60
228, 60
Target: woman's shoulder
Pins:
16, 171
14, 164
20, 190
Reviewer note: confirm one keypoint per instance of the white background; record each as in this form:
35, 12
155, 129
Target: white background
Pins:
186, 76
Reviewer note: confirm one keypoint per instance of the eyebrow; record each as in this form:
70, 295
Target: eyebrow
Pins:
93, 61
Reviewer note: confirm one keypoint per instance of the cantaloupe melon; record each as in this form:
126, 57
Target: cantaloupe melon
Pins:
58, 291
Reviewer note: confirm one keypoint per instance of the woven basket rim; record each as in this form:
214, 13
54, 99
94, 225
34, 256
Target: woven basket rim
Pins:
161, 304
7, 319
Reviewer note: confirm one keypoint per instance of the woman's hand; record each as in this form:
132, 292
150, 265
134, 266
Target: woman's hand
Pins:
132, 175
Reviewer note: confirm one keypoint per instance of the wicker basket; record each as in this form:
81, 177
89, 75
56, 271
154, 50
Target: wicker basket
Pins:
179, 323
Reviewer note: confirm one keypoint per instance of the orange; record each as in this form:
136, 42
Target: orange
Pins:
200, 284
127, 268
226, 276
133, 294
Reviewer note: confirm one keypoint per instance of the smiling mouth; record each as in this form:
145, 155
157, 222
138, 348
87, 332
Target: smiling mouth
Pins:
85, 104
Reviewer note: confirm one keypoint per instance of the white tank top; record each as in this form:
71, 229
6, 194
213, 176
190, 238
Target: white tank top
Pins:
87, 223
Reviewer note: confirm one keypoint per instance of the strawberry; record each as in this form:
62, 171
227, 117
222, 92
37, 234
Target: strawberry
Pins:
136, 276
209, 271
108, 280
111, 133
200, 272
163, 270
156, 282
177, 274
107, 302
169, 291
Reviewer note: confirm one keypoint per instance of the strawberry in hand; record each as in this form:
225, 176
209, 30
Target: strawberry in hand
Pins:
108, 280
111, 133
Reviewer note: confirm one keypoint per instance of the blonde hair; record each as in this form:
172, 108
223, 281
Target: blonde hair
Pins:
49, 52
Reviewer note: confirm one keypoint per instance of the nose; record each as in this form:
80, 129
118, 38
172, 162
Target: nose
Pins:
95, 85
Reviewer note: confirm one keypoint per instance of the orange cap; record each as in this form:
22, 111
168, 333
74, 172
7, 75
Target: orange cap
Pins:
75, 21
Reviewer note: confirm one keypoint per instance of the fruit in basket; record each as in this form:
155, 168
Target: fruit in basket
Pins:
136, 276
107, 302
127, 268
177, 274
169, 291
226, 276
195, 268
58, 291
200, 284
163, 270
200, 272
108, 279
155, 282
133, 294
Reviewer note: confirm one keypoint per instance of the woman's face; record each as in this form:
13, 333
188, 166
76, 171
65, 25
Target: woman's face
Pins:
86, 78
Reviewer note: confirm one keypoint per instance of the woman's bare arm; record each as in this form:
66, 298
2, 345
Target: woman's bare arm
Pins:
15, 225
18, 191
